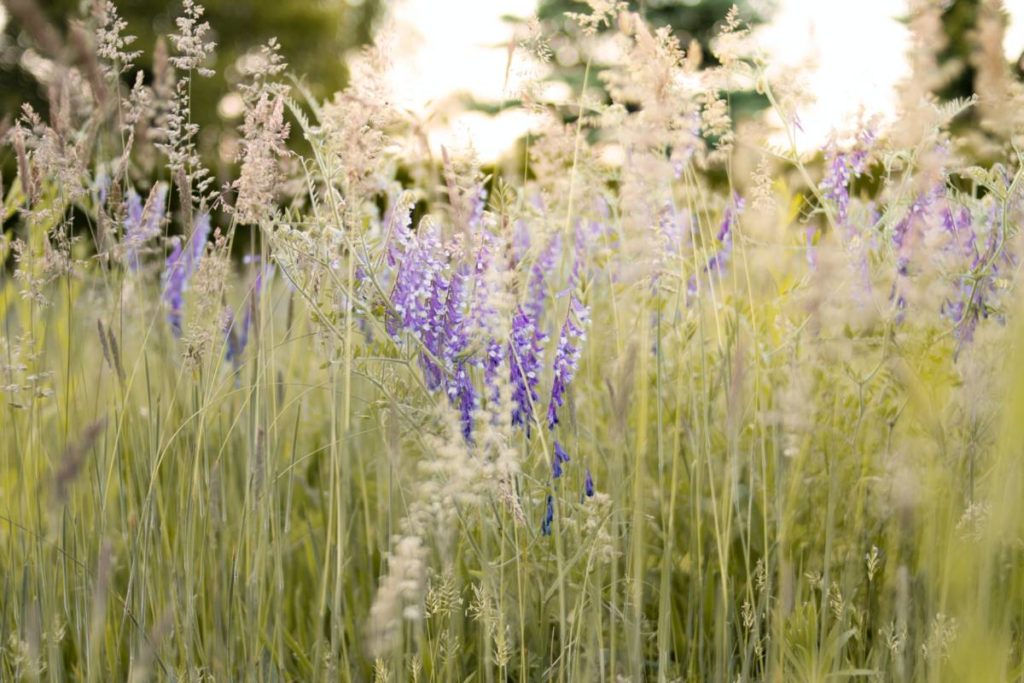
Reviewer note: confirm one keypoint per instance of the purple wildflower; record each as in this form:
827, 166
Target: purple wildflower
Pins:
812, 251
561, 456
142, 223
433, 332
232, 338
520, 240
411, 294
549, 517
181, 264
525, 347
588, 484
463, 394
397, 229
477, 204
718, 260
460, 387
537, 287
842, 168
567, 356
456, 338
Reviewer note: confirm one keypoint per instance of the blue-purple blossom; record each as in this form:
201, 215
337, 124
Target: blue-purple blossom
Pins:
455, 335
398, 222
588, 484
842, 168
567, 356
549, 517
433, 332
561, 456
537, 287
717, 261
525, 347
459, 388
477, 204
142, 223
463, 395
411, 294
181, 264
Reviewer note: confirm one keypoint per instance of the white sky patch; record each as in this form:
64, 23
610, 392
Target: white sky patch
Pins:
855, 52
450, 47
1013, 42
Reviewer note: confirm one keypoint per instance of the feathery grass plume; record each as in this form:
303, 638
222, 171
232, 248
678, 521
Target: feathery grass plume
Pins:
192, 51
263, 143
74, 457
112, 43
353, 133
208, 282
264, 134
399, 596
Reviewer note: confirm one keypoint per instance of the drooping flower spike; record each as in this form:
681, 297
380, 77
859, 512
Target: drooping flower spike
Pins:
549, 517
560, 457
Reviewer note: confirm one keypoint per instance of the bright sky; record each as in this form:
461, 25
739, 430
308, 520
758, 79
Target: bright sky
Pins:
447, 47
858, 48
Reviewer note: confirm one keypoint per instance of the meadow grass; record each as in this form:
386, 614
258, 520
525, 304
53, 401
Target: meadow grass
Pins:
588, 422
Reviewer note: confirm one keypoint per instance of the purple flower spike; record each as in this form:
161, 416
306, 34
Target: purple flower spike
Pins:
411, 296
588, 485
561, 456
433, 332
537, 289
180, 266
142, 223
463, 394
717, 261
567, 356
549, 517
524, 363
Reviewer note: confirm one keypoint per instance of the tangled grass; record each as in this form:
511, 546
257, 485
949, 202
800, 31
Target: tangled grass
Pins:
602, 420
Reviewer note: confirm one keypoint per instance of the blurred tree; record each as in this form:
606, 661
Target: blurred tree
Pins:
958, 22
314, 35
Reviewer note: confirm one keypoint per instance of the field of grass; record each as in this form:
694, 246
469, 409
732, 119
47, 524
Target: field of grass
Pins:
580, 420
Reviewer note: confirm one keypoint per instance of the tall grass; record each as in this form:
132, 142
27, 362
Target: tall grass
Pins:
586, 420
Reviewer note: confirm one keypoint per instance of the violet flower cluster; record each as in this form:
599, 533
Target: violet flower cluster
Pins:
181, 264
718, 260
142, 222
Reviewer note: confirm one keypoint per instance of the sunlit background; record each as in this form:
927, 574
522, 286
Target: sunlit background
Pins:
449, 52
855, 52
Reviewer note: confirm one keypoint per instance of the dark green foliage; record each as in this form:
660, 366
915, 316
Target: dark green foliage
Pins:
314, 34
